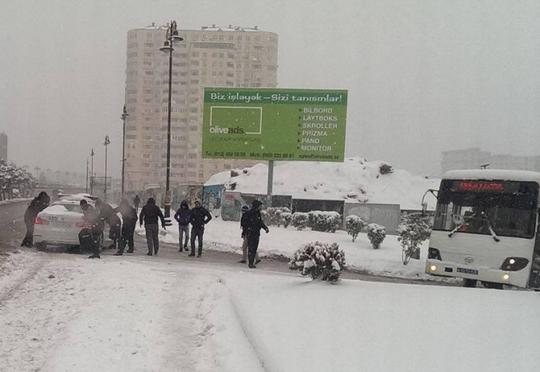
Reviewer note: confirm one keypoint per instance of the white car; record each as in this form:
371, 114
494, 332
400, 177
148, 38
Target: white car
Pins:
61, 222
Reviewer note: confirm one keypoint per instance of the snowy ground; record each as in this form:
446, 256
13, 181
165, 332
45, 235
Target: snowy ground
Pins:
225, 236
136, 313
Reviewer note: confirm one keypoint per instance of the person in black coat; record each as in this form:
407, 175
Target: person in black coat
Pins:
90, 236
37, 204
183, 216
252, 223
136, 202
108, 214
150, 214
129, 221
199, 217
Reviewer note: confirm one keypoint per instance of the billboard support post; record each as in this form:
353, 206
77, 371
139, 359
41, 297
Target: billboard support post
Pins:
270, 181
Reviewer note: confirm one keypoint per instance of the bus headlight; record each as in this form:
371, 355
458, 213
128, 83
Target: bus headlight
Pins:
514, 263
505, 277
433, 268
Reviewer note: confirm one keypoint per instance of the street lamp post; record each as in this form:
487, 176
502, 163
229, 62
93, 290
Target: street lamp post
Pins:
170, 38
123, 117
106, 143
92, 172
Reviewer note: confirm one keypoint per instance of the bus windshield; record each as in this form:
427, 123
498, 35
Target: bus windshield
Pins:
504, 208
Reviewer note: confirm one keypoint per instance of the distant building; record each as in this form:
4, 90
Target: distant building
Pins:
210, 57
475, 158
3, 146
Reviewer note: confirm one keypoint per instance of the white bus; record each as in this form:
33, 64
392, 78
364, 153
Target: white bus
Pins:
486, 228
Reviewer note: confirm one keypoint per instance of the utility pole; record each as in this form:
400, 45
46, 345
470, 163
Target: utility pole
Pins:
92, 172
106, 143
123, 117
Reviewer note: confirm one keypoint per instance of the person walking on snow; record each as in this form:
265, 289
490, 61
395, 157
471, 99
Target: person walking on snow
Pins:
150, 214
182, 216
37, 204
245, 208
199, 217
253, 223
136, 202
129, 221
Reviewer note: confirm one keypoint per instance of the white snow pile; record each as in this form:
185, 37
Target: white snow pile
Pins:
354, 180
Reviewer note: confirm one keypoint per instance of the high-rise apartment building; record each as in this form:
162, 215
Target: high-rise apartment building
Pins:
3, 146
210, 57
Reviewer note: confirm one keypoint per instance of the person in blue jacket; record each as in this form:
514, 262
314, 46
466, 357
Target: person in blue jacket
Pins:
183, 216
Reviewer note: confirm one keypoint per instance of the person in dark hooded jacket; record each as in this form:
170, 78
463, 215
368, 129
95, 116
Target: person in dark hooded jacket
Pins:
183, 216
37, 204
150, 214
199, 217
252, 223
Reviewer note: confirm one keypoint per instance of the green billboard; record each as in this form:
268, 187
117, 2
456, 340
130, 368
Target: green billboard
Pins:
274, 124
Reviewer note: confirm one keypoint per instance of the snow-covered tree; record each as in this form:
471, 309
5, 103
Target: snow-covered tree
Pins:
319, 260
299, 220
414, 230
353, 225
376, 234
14, 181
286, 218
327, 221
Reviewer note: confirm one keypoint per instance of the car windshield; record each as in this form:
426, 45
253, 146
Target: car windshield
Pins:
504, 208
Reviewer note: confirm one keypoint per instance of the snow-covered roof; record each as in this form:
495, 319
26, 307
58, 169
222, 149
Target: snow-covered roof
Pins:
493, 174
354, 180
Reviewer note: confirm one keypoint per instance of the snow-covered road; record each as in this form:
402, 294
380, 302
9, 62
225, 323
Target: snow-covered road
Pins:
134, 314
61, 312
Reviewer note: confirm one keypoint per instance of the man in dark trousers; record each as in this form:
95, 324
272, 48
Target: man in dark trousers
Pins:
90, 236
199, 217
129, 221
182, 216
136, 202
252, 223
108, 214
37, 204
150, 214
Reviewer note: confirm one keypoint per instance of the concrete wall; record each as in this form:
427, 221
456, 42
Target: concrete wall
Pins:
387, 215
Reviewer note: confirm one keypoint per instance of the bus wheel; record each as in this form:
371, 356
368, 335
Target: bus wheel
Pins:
469, 283
492, 285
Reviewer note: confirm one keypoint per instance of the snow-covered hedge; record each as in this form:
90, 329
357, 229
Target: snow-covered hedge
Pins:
319, 260
278, 216
354, 225
376, 234
300, 220
324, 220
412, 232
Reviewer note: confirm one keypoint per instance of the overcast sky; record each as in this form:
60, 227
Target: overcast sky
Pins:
423, 76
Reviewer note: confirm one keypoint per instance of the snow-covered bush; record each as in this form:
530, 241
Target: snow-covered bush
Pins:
286, 218
275, 215
319, 260
412, 232
376, 234
299, 220
385, 168
353, 225
327, 221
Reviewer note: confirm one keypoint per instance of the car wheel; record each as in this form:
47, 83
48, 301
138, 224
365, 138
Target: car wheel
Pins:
41, 246
469, 283
492, 285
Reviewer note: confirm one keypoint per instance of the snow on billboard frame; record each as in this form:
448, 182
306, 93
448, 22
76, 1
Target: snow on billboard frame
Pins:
274, 124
